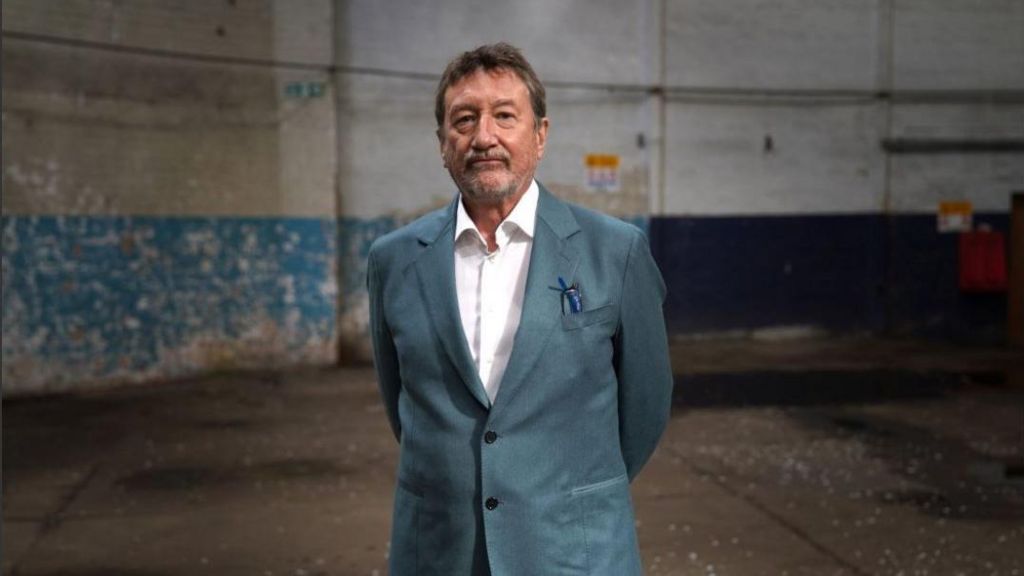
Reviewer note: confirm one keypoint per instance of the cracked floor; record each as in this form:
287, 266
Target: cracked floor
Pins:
827, 457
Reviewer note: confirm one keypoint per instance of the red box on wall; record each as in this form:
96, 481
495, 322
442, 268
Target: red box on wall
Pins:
982, 261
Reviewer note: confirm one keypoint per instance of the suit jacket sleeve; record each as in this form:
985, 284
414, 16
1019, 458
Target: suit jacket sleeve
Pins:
385, 358
641, 358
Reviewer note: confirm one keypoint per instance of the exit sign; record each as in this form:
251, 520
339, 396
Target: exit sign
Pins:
305, 89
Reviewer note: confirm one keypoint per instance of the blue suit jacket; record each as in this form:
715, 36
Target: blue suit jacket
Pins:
537, 483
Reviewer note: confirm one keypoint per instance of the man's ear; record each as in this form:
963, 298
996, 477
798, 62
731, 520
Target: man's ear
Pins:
440, 146
541, 134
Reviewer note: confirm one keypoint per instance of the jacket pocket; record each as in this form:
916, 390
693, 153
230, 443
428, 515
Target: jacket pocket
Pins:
599, 485
579, 320
404, 556
609, 533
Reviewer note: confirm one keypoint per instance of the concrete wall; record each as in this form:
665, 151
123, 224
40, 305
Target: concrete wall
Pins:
168, 200
823, 229
194, 185
750, 132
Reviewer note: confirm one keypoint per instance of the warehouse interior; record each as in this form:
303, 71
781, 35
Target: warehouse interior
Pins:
833, 192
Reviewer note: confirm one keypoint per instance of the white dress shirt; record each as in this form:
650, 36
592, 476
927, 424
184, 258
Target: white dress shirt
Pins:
490, 286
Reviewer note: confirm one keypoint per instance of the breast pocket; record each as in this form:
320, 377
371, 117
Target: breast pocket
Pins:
601, 315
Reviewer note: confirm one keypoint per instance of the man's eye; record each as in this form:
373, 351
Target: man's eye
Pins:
505, 119
462, 120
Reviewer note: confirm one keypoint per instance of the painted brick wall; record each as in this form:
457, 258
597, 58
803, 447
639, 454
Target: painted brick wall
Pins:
191, 186
169, 201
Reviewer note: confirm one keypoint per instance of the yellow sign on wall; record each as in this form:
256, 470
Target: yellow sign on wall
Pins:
602, 172
955, 216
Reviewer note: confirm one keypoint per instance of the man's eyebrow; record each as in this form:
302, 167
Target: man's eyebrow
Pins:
504, 102
462, 106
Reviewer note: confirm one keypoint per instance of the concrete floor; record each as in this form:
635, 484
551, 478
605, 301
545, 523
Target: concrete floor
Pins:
811, 457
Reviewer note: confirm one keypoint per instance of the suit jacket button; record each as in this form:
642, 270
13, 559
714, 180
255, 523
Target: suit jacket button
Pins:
490, 437
491, 503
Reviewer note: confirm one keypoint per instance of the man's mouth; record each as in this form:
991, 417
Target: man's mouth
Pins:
486, 162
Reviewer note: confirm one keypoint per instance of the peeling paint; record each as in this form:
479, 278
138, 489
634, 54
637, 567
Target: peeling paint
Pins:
355, 235
99, 300
106, 299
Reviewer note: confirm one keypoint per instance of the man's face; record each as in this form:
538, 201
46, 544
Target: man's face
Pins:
491, 142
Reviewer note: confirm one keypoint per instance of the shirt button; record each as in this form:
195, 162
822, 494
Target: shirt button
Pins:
490, 437
491, 503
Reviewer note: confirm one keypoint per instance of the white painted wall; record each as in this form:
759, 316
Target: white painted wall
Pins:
959, 44
920, 182
824, 159
125, 131
779, 44
389, 159
581, 40
597, 122
221, 138
828, 156
293, 30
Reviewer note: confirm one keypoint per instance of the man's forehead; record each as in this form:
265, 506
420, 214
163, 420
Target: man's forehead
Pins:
507, 82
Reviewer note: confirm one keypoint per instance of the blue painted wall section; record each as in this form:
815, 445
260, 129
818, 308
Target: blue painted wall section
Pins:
106, 299
732, 273
133, 298
924, 298
840, 273
355, 235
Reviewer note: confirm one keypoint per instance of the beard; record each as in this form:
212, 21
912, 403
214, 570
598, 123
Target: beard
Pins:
488, 185
480, 188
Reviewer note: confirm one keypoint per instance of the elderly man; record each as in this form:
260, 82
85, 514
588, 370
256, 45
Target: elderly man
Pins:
521, 350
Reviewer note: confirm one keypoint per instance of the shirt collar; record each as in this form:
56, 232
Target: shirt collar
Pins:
523, 217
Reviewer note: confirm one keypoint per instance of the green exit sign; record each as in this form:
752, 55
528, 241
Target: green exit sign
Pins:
305, 89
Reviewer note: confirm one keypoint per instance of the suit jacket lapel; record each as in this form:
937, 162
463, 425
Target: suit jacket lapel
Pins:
435, 269
552, 257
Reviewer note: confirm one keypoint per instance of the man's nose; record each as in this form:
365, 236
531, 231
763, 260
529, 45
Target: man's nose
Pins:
485, 136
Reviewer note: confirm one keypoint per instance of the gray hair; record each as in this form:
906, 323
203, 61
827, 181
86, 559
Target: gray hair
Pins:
500, 56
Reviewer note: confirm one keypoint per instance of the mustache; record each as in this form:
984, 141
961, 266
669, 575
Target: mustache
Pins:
492, 156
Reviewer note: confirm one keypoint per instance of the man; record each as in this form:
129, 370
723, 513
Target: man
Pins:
521, 351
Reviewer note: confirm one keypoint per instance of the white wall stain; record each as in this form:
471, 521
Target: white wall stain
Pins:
288, 284
203, 242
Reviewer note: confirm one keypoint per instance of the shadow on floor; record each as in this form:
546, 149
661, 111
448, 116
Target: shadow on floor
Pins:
822, 387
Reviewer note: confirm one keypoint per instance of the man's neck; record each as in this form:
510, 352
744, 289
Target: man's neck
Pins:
487, 216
